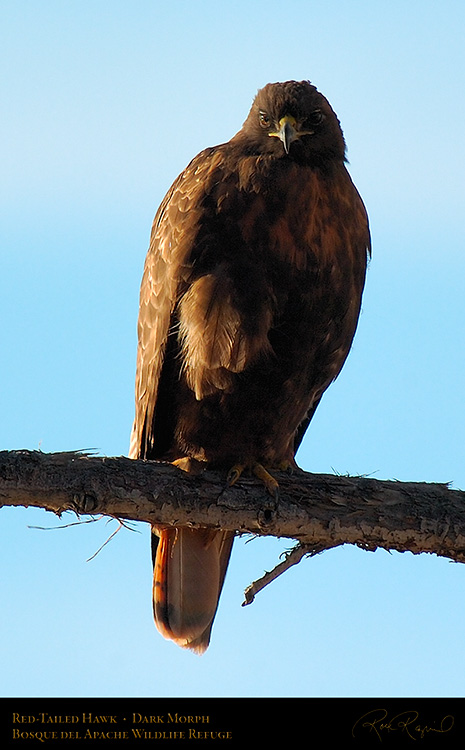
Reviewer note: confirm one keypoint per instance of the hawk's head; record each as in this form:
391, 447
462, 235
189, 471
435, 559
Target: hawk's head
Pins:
293, 120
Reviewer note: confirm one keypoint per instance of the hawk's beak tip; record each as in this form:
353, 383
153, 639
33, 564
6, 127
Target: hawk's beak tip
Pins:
286, 132
287, 135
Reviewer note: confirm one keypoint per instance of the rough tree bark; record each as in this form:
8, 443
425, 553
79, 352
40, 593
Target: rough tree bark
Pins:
320, 511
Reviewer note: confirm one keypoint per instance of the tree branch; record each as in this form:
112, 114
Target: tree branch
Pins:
318, 510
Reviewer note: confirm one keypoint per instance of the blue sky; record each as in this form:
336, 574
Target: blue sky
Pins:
103, 105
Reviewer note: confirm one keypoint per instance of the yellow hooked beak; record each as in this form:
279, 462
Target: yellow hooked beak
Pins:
288, 132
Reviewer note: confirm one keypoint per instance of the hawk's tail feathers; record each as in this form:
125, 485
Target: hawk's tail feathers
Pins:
189, 570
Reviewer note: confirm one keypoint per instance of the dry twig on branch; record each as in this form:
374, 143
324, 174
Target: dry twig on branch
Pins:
320, 511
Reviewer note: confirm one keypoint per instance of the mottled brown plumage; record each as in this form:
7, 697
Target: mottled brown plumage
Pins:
249, 303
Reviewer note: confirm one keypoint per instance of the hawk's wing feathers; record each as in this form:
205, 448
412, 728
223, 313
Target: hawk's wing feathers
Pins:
171, 241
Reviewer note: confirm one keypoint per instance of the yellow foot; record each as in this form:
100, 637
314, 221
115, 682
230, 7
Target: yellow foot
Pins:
260, 472
268, 480
190, 465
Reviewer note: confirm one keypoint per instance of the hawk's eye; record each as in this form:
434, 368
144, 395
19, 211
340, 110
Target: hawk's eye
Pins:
263, 119
315, 117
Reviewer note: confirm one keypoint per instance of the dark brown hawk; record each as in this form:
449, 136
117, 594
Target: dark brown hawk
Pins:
249, 303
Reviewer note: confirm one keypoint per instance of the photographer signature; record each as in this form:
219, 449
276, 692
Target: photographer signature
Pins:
378, 721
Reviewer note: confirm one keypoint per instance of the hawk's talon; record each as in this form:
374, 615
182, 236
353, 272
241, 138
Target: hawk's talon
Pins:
234, 473
287, 467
